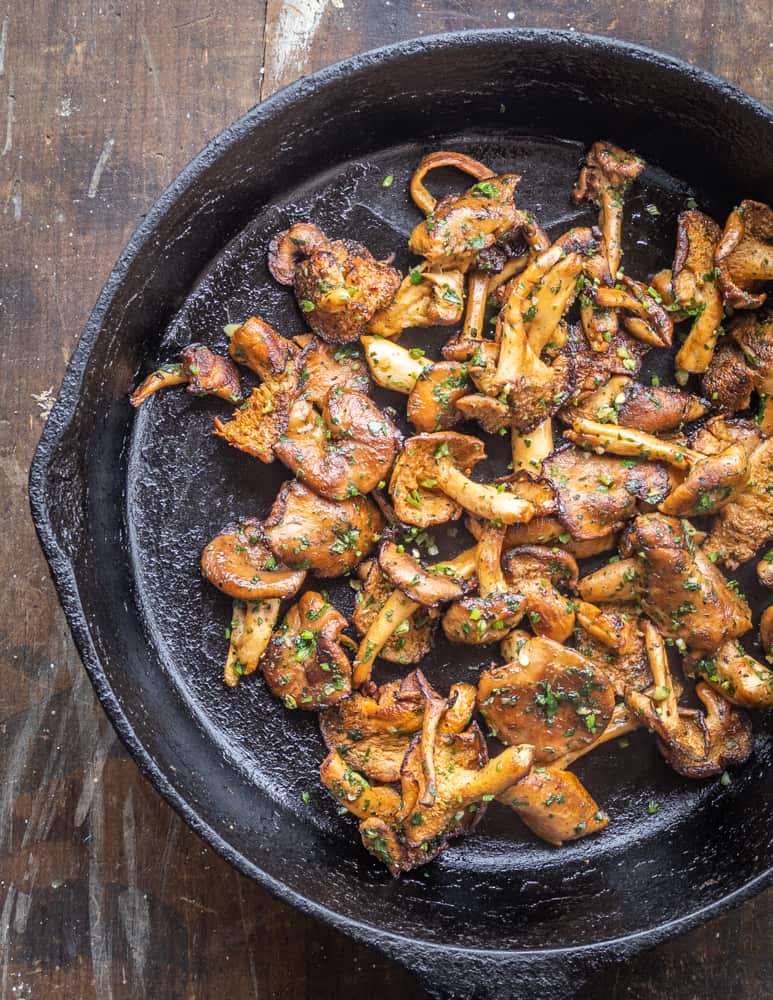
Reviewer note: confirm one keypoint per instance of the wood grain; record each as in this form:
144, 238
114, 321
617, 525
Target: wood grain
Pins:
103, 892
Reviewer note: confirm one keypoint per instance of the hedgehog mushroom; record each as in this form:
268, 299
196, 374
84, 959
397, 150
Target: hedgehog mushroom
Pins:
744, 256
430, 483
549, 696
695, 288
697, 744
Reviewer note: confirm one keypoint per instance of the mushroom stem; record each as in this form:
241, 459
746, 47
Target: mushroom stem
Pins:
162, 378
391, 365
475, 314
592, 619
629, 442
530, 450
766, 416
512, 267
623, 721
696, 352
251, 626
423, 200
661, 675
480, 499
617, 581
434, 710
491, 579
611, 224
550, 301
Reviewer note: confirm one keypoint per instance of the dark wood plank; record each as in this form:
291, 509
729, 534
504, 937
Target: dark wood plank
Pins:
103, 892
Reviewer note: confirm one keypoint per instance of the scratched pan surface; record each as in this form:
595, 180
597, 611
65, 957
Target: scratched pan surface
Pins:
124, 503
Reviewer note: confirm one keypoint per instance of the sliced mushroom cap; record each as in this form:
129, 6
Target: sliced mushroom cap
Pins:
592, 369
326, 536
323, 368
680, 589
765, 570
460, 226
624, 661
433, 398
735, 675
728, 381
372, 731
464, 779
535, 572
710, 483
625, 401
414, 485
477, 621
249, 632
305, 664
492, 414
555, 805
744, 256
210, 374
241, 564
551, 697
430, 589
290, 246
258, 346
426, 297
340, 286
352, 456
412, 638
597, 494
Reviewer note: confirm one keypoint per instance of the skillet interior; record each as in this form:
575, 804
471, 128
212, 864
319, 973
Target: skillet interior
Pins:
132, 501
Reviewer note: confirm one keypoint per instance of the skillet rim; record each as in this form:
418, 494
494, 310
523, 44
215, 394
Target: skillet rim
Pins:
412, 951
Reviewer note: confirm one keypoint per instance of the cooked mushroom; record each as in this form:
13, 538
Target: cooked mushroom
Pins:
305, 664
396, 610
412, 639
257, 345
694, 283
497, 608
242, 565
426, 297
619, 580
604, 179
709, 482
728, 381
433, 398
349, 451
593, 369
430, 483
735, 675
423, 200
753, 332
371, 730
766, 631
354, 793
492, 414
745, 523
544, 530
555, 805
610, 635
550, 696
249, 632
596, 494
324, 368
338, 283
697, 744
460, 226
744, 256
392, 366
643, 315
428, 588
536, 572
765, 570
624, 401
463, 344
679, 588
204, 372
328, 537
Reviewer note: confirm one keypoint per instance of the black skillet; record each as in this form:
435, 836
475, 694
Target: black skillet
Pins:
124, 503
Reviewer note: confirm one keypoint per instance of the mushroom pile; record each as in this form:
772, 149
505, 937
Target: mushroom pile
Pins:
546, 339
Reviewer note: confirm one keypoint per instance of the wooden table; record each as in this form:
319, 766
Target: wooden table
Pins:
104, 893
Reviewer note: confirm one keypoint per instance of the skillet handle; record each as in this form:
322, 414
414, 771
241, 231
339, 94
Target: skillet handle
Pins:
452, 974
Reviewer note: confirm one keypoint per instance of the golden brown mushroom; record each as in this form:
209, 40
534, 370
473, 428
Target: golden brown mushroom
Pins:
555, 805
535, 572
305, 664
328, 537
604, 179
735, 675
430, 483
765, 570
432, 401
624, 401
241, 564
610, 635
766, 631
679, 588
643, 315
426, 297
338, 283
354, 793
549, 696
753, 332
249, 632
204, 372
392, 366
423, 200
348, 451
694, 284
697, 744
404, 571
744, 256
728, 381
323, 368
411, 640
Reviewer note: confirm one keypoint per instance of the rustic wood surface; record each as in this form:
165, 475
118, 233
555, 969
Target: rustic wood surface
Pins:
104, 893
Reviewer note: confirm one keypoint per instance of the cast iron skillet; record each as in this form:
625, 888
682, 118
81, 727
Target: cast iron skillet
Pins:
124, 503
